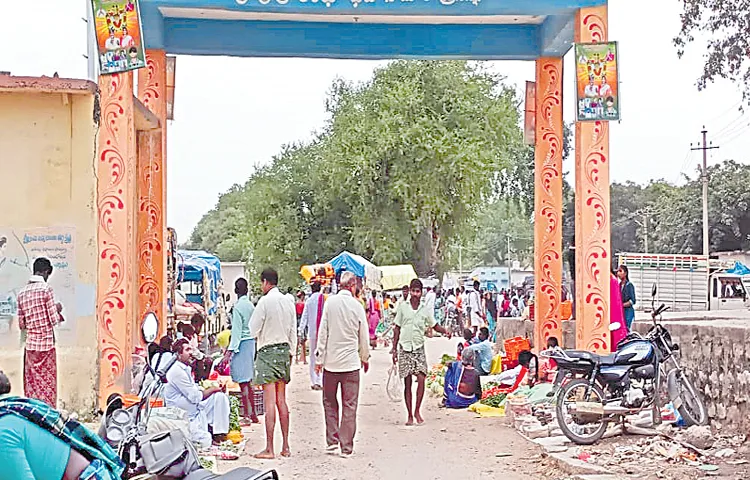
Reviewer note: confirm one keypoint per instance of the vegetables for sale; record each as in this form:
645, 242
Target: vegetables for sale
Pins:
234, 414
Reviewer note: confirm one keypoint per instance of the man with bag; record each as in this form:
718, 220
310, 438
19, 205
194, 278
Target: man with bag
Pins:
342, 348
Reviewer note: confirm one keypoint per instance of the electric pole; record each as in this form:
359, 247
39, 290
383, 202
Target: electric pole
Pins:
704, 178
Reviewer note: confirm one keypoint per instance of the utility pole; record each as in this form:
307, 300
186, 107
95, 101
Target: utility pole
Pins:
704, 178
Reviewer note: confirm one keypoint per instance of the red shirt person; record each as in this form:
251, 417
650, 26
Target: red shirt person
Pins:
38, 315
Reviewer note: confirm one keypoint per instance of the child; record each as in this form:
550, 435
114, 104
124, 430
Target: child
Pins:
548, 368
468, 340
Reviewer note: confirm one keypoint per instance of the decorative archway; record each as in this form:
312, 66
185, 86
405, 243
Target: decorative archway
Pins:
132, 187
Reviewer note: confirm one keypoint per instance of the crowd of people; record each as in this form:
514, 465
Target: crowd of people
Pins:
264, 339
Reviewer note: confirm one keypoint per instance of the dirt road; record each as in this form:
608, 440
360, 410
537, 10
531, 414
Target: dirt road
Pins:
451, 445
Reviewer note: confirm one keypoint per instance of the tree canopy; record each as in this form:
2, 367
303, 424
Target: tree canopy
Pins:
400, 171
671, 215
726, 23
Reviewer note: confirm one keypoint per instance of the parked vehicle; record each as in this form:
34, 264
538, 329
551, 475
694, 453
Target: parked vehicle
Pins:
164, 455
198, 288
593, 390
687, 282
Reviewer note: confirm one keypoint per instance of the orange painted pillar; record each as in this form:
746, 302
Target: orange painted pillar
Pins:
548, 201
116, 211
593, 258
152, 192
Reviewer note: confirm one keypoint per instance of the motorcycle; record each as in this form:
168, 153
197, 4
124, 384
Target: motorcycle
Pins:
164, 455
593, 390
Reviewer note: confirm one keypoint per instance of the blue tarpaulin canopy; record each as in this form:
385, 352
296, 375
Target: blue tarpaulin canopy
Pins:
359, 266
194, 266
739, 269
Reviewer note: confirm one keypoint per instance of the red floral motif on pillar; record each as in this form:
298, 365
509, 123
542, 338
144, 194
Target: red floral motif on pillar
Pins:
116, 145
152, 85
548, 200
593, 259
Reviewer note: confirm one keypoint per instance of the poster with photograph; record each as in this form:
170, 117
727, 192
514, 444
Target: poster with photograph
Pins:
119, 37
597, 82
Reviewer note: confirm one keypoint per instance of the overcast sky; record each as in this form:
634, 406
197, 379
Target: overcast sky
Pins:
234, 113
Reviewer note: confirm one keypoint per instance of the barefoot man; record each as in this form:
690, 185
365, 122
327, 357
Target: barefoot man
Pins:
412, 320
274, 326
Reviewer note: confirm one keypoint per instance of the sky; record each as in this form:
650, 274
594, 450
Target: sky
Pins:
232, 114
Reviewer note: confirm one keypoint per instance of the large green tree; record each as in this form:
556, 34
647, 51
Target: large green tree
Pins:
402, 167
417, 151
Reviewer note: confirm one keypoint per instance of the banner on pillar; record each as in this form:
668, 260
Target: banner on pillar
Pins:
529, 115
597, 82
119, 37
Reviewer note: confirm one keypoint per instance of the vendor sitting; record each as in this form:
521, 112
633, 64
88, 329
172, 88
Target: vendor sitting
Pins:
515, 377
462, 386
483, 351
204, 408
548, 367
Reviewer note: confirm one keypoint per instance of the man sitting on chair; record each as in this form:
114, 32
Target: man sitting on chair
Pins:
204, 408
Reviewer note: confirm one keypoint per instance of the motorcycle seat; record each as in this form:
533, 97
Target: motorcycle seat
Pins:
242, 473
591, 357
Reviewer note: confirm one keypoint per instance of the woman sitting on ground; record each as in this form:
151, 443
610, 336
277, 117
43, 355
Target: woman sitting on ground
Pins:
37, 444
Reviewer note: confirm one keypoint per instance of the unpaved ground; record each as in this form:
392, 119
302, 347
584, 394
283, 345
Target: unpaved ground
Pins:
451, 445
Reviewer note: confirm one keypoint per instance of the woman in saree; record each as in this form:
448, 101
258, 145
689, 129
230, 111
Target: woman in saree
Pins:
618, 327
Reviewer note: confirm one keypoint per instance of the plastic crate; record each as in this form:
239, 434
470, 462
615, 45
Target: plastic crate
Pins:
260, 407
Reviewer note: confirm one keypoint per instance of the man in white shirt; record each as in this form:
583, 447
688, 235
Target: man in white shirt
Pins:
591, 90
203, 407
477, 314
311, 317
342, 349
429, 302
274, 326
112, 43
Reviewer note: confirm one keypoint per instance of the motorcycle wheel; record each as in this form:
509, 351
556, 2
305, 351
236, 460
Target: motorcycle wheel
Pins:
573, 430
685, 399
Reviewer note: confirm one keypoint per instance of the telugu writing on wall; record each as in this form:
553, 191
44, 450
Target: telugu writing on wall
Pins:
18, 250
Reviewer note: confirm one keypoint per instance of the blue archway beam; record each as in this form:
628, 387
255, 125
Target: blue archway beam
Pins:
390, 7
342, 40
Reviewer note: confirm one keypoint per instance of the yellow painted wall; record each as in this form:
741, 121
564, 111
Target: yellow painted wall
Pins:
48, 179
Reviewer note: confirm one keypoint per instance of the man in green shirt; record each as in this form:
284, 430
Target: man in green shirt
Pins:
241, 351
412, 321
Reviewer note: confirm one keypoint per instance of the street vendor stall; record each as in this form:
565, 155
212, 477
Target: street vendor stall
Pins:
321, 273
359, 266
199, 279
396, 276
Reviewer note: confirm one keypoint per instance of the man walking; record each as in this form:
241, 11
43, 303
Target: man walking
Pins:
412, 320
342, 349
274, 326
38, 315
311, 317
475, 310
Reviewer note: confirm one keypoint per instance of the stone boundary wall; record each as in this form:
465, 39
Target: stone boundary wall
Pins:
717, 357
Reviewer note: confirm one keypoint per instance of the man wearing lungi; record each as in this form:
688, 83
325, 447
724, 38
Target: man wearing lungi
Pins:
274, 326
413, 318
38, 315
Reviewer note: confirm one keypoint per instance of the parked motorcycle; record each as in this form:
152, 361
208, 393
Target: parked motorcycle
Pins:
593, 390
164, 455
